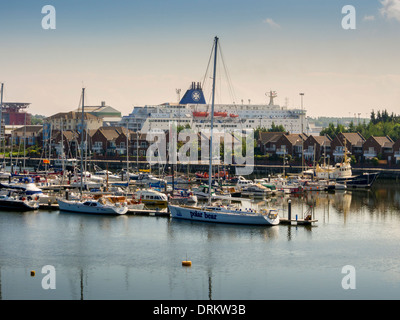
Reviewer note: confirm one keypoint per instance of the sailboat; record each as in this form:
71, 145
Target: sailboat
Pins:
219, 213
100, 206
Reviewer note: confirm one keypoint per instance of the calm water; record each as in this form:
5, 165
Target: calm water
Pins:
136, 257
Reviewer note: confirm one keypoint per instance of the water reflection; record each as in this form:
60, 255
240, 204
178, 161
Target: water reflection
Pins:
138, 257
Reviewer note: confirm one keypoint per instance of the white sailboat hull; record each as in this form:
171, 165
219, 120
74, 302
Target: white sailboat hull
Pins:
223, 216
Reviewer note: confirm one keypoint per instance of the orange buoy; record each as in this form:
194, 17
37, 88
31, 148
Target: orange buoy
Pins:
186, 263
32, 273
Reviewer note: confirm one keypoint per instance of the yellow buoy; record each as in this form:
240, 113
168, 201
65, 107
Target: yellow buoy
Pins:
32, 273
187, 263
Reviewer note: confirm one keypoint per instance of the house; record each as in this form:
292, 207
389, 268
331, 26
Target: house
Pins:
291, 144
72, 121
103, 140
68, 140
316, 147
267, 142
378, 147
396, 152
31, 134
352, 142
137, 143
109, 115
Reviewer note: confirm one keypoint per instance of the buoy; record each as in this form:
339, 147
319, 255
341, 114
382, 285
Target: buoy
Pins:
32, 273
186, 263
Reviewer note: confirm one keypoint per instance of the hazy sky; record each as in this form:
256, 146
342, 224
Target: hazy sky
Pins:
139, 52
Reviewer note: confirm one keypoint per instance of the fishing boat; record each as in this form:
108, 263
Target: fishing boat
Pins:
18, 202
222, 214
342, 173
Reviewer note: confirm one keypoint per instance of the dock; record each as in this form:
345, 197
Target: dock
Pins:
298, 222
144, 212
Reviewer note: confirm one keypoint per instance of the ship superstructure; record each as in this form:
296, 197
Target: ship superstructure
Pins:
193, 110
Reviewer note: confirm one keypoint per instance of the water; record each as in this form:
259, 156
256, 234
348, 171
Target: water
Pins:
139, 257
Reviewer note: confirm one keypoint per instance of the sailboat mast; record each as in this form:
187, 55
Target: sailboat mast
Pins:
212, 119
1, 127
82, 124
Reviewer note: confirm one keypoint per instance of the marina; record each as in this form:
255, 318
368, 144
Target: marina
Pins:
140, 256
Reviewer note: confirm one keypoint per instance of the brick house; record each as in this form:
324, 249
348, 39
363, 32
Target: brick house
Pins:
317, 146
69, 140
353, 142
136, 143
290, 144
396, 152
267, 142
103, 140
380, 147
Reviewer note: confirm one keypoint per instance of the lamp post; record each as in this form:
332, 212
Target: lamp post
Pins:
301, 134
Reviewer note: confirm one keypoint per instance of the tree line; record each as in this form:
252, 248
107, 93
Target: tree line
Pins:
381, 124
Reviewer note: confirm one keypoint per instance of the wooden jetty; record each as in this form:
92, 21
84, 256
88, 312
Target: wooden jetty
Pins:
307, 221
298, 222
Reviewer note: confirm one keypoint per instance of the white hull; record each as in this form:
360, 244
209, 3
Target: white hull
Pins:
219, 215
81, 207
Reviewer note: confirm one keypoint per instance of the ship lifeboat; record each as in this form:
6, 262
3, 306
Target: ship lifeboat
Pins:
232, 115
220, 114
200, 114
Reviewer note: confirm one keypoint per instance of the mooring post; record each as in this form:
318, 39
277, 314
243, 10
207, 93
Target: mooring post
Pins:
290, 210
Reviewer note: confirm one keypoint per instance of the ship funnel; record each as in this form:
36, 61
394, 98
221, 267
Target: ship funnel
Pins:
194, 95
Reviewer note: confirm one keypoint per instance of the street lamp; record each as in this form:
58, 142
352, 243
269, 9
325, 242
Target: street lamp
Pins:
302, 95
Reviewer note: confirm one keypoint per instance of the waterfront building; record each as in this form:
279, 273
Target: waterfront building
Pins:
30, 133
396, 152
109, 115
350, 142
291, 144
378, 147
317, 147
12, 114
72, 121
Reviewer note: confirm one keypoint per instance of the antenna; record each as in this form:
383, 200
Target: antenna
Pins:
178, 92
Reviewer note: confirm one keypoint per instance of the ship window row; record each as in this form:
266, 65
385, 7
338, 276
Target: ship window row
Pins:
167, 120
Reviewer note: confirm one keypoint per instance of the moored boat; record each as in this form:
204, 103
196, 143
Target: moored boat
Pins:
92, 206
18, 202
222, 214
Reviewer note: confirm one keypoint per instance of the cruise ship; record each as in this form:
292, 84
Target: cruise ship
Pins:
193, 110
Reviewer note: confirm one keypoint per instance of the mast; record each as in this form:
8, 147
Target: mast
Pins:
212, 119
1, 126
82, 123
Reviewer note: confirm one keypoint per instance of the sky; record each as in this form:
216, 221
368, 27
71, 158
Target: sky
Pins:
136, 53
